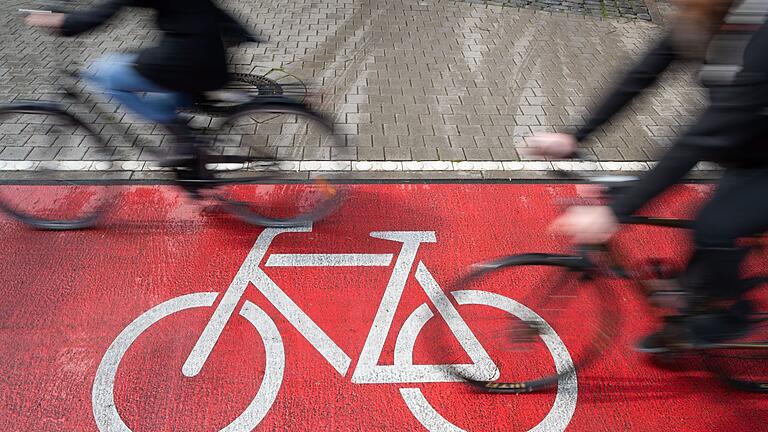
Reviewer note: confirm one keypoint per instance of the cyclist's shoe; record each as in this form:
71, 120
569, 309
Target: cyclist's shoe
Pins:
665, 290
699, 331
656, 343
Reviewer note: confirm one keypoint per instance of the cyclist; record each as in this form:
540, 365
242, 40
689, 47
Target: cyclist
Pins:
189, 59
731, 131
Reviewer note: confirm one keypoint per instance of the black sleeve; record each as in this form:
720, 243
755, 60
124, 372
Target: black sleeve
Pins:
734, 120
671, 168
232, 31
80, 22
635, 80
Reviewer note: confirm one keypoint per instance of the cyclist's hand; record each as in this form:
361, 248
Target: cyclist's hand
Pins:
46, 20
555, 145
587, 224
590, 191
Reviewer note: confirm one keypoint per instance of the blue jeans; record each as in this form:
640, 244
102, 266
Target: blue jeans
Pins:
116, 75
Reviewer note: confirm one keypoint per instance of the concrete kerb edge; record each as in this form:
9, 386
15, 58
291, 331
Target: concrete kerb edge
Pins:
361, 170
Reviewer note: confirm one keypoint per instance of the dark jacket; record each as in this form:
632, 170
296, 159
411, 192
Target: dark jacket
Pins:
191, 56
732, 131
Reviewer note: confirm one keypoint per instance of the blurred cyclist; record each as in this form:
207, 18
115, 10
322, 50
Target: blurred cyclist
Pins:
189, 59
732, 131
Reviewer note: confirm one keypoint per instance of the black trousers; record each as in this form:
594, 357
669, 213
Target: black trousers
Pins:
738, 208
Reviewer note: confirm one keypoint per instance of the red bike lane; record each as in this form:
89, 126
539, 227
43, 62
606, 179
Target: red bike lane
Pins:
341, 326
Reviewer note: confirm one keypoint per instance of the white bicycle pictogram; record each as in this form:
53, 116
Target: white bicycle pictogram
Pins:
367, 371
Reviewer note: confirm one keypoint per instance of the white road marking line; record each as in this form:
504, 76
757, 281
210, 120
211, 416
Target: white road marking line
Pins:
357, 166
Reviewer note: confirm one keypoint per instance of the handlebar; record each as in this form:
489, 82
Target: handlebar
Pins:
52, 6
232, 34
34, 11
611, 184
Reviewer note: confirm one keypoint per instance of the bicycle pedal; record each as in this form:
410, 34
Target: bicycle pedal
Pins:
327, 189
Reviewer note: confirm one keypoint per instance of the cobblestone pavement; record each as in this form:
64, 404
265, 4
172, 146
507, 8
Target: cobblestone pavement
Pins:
408, 80
594, 8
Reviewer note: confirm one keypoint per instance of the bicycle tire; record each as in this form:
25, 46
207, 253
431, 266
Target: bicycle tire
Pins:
53, 194
573, 268
259, 191
248, 87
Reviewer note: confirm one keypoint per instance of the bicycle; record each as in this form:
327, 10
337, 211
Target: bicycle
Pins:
60, 195
368, 370
575, 295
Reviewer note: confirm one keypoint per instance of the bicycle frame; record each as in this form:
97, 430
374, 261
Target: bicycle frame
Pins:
675, 223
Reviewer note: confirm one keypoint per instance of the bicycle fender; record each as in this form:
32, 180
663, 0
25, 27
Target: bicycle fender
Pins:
34, 107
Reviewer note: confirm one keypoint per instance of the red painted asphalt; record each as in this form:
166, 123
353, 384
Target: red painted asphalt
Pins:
84, 344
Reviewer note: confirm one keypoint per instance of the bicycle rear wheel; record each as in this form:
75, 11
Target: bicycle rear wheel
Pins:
47, 193
557, 288
260, 189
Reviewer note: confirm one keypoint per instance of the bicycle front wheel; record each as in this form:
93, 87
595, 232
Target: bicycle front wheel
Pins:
46, 191
566, 306
261, 189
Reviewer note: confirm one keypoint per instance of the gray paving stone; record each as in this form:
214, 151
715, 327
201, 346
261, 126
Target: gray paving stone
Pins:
15, 153
424, 154
140, 141
411, 141
438, 141
385, 141
97, 154
445, 130
68, 141
504, 154
71, 153
317, 153
634, 154
466, 141
451, 154
373, 153
397, 153
266, 151
487, 142
42, 153
18, 140
290, 153
477, 154
128, 153
344, 153
114, 129
608, 154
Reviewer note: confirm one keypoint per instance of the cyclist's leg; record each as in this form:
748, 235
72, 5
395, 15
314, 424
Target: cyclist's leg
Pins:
735, 210
116, 75
717, 311
167, 102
